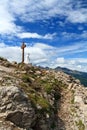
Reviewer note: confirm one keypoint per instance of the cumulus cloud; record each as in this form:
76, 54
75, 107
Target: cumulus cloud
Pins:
38, 52
10, 52
73, 35
7, 20
40, 10
26, 11
60, 60
77, 16
36, 9
45, 55
72, 63
35, 35
43, 46
32, 10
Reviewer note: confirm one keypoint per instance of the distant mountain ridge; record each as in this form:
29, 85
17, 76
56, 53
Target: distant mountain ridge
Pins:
82, 76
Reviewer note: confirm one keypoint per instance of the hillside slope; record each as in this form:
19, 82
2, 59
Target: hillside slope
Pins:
32, 98
82, 76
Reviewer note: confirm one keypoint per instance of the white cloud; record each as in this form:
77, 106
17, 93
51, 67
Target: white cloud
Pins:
77, 16
3, 45
60, 60
35, 35
11, 53
32, 10
49, 36
43, 46
75, 48
71, 63
29, 35
81, 60
82, 35
40, 10
7, 20
45, 55
40, 53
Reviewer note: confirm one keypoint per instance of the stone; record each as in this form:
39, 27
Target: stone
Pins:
14, 63
77, 81
17, 110
70, 86
85, 100
78, 99
15, 117
1, 79
38, 72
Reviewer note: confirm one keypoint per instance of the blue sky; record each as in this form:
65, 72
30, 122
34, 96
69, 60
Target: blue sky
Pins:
54, 31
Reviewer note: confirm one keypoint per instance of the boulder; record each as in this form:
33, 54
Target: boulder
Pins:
16, 107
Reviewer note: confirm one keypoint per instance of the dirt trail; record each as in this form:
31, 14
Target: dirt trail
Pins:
65, 111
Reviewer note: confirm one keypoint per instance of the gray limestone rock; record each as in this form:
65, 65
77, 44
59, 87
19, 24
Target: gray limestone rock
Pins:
16, 106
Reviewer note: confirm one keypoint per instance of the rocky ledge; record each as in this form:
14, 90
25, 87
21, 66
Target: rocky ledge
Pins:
32, 98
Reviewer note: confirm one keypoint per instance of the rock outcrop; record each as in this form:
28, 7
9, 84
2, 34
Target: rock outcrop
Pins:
15, 106
17, 109
74, 103
32, 98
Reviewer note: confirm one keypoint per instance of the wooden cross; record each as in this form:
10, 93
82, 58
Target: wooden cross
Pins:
22, 47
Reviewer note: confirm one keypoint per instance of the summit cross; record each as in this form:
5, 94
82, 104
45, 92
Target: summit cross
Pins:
23, 47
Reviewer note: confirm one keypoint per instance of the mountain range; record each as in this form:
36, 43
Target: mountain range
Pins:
82, 76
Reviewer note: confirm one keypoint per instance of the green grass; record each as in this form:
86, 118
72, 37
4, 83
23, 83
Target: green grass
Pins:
42, 102
35, 86
80, 125
48, 88
72, 99
26, 78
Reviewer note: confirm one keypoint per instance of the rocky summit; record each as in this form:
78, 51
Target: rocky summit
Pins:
34, 98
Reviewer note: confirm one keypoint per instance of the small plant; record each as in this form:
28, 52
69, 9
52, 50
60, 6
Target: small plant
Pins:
53, 125
80, 125
48, 88
72, 100
73, 110
73, 91
43, 103
26, 78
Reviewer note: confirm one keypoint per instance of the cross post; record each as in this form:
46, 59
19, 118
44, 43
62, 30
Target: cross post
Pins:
22, 47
